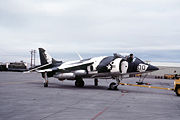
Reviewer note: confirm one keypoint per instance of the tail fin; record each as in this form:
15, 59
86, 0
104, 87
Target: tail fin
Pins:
45, 58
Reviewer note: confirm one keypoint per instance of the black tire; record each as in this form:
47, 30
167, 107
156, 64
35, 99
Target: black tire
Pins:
177, 90
45, 84
79, 82
113, 86
95, 82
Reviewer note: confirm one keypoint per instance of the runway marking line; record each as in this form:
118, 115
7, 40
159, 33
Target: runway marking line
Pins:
98, 114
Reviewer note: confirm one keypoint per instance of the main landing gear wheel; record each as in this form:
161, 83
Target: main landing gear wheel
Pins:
113, 86
79, 82
177, 90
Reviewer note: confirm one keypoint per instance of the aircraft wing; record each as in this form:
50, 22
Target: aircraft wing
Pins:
37, 68
75, 65
66, 68
48, 70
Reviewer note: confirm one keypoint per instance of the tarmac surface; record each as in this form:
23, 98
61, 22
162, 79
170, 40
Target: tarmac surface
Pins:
23, 97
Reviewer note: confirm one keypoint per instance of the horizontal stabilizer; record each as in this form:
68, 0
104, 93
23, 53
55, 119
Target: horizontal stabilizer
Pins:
37, 68
48, 70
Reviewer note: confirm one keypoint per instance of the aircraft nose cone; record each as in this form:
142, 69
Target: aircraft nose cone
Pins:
152, 68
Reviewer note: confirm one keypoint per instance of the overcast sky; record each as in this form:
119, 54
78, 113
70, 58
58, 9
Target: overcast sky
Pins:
88, 26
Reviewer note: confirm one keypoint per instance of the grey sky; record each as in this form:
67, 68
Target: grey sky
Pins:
88, 26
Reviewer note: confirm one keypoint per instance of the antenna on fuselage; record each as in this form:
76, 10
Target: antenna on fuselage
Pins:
79, 56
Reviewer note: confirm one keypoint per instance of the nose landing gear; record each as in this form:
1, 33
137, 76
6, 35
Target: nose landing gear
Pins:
113, 85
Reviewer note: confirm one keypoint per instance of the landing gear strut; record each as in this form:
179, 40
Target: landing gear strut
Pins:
141, 80
79, 82
45, 79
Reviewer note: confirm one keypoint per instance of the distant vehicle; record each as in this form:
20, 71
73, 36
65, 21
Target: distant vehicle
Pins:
104, 67
169, 76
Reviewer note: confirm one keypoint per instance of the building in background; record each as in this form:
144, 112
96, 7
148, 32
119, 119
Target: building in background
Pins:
3, 67
14, 66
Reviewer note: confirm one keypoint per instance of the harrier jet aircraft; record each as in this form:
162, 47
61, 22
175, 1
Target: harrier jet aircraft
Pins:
104, 67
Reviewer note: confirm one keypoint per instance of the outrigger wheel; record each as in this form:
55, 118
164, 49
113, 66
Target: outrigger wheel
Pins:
79, 82
44, 75
113, 86
45, 84
177, 90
